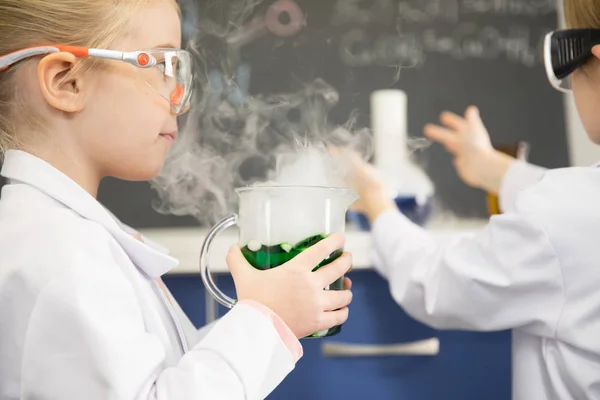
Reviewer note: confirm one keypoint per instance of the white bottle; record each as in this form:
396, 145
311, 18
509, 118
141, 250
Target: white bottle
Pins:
392, 156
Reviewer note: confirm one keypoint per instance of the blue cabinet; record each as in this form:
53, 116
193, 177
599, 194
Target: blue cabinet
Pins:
469, 365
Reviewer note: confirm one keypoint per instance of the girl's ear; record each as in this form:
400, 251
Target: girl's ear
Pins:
61, 90
596, 51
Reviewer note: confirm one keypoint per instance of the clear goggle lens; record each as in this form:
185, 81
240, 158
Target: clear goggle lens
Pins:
171, 77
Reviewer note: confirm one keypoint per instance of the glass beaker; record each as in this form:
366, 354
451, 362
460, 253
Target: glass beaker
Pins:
276, 223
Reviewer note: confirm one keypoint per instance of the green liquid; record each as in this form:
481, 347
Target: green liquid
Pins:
268, 257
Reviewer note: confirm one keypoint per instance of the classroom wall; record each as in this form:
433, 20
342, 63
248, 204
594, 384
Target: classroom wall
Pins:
582, 152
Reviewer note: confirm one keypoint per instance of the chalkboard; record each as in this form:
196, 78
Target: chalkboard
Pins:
445, 54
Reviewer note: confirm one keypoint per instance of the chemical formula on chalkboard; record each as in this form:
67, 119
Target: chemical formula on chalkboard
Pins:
461, 29
354, 11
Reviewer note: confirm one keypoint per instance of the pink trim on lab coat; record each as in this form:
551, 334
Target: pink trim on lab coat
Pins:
287, 336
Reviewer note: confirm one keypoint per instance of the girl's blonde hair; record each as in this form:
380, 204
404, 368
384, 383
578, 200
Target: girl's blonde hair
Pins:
582, 14
28, 23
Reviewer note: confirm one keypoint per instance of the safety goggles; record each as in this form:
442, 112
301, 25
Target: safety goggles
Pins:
565, 51
168, 71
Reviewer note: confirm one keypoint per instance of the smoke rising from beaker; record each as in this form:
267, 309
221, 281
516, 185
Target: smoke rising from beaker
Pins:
231, 138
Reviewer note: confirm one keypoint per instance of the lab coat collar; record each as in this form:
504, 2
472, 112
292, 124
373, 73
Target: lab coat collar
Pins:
23, 167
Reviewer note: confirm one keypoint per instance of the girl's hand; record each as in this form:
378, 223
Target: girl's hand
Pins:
293, 291
478, 164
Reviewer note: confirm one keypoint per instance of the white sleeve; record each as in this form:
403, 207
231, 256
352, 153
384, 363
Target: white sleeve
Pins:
520, 176
192, 334
87, 340
507, 276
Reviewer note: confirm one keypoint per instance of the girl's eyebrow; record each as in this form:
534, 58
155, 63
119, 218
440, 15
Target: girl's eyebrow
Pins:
165, 46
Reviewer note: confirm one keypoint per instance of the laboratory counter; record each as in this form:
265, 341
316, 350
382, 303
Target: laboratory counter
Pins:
184, 243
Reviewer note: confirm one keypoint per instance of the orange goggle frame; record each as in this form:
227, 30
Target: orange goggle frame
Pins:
174, 63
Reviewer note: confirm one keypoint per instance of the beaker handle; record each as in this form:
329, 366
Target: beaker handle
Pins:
207, 278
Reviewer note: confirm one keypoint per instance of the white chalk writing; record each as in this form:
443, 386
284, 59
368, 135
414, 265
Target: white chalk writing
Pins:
455, 28
466, 41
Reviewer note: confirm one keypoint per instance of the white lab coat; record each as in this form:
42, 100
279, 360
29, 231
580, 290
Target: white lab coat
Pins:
535, 269
81, 316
